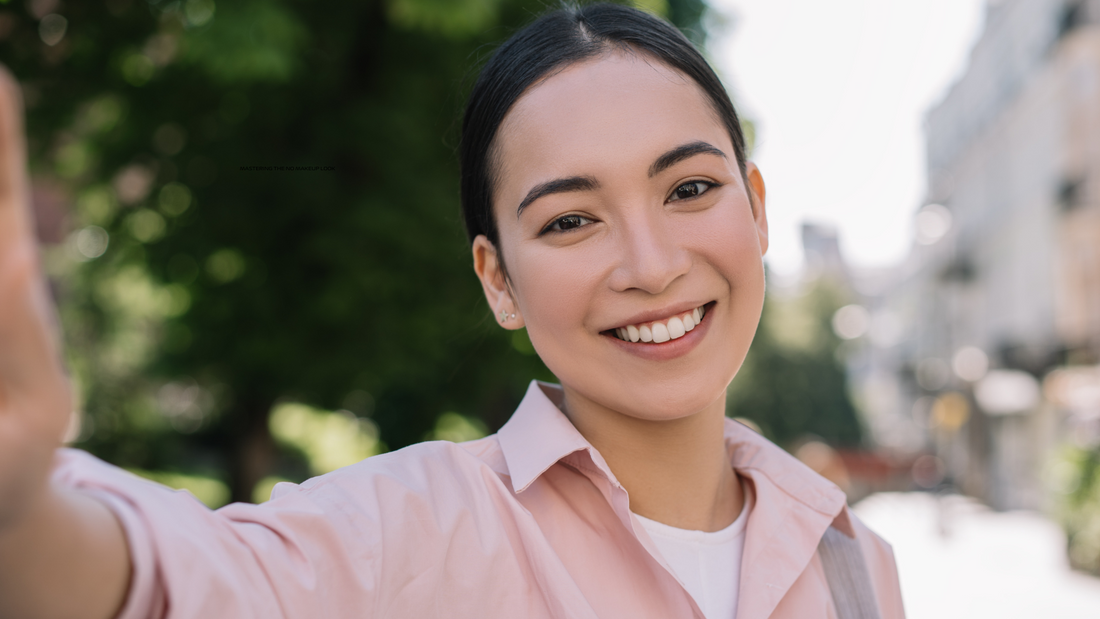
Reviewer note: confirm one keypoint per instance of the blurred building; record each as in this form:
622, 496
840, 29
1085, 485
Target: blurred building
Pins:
821, 251
1002, 285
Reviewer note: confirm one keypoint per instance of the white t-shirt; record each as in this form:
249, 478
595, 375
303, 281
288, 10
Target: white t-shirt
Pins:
708, 564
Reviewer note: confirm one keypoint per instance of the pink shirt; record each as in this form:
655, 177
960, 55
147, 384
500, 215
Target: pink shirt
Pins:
529, 522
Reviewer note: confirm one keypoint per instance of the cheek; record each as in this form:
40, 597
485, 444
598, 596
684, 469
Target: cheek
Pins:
555, 289
727, 240
731, 247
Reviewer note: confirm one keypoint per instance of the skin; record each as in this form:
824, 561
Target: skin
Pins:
62, 553
656, 415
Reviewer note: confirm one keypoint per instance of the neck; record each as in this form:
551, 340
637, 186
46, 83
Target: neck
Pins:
676, 472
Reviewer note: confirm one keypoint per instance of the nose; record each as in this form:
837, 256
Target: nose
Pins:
652, 256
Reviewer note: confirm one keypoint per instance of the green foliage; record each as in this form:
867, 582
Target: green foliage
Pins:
328, 440
793, 384
243, 41
689, 15
1077, 473
451, 18
457, 429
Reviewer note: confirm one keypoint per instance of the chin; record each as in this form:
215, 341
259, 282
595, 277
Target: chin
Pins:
660, 400
674, 402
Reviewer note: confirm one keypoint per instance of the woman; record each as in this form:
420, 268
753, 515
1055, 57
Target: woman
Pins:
613, 214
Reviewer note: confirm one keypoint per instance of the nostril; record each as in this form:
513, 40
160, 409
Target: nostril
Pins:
651, 260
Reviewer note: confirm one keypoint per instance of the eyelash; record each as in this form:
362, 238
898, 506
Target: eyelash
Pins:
557, 222
707, 184
555, 226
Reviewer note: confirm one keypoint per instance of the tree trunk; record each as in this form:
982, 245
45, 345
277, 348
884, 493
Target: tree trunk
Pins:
253, 450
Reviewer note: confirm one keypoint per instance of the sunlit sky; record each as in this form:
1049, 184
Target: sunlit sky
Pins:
838, 90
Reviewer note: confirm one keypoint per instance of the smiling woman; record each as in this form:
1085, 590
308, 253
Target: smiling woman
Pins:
663, 224
612, 212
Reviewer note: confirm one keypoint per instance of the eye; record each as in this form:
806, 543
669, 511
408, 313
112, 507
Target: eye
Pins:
566, 223
690, 189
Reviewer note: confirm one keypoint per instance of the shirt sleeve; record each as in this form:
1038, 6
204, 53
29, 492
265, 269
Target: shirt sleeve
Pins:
293, 556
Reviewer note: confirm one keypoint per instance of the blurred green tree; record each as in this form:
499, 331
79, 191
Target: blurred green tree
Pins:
198, 293
1075, 472
793, 383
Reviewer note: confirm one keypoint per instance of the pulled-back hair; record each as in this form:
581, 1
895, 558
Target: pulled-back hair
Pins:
551, 43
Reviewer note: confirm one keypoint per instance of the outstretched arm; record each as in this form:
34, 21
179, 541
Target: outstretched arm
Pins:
62, 553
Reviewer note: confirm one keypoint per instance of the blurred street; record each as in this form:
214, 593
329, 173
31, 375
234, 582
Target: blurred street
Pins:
983, 564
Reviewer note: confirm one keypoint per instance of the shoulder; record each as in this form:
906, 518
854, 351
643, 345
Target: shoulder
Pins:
420, 462
412, 508
882, 567
878, 551
437, 475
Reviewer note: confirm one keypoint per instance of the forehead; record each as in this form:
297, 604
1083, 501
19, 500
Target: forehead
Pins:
602, 114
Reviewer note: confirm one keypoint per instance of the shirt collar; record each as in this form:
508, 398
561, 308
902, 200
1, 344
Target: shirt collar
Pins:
754, 456
539, 435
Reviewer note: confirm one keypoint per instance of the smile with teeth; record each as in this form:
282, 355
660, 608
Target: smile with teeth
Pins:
660, 331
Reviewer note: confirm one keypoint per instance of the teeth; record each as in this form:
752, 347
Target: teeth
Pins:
676, 328
659, 332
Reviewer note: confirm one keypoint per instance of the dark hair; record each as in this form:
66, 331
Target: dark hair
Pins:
551, 43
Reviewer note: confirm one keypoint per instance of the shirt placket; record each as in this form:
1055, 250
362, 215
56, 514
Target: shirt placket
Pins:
597, 472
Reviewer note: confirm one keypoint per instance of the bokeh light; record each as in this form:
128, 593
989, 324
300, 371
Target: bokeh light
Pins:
970, 363
851, 321
933, 222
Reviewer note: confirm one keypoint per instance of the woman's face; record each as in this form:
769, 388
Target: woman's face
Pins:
620, 206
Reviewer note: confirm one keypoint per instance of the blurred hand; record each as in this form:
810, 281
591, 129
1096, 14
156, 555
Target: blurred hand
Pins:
51, 539
35, 396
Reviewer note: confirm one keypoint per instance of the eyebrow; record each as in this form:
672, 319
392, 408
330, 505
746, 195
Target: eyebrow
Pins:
589, 183
558, 185
680, 153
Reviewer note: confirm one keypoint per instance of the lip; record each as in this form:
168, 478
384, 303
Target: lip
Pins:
661, 314
672, 348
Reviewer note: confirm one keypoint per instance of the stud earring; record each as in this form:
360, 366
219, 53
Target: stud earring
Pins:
505, 316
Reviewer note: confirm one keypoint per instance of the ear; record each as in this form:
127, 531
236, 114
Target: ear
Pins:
758, 195
494, 283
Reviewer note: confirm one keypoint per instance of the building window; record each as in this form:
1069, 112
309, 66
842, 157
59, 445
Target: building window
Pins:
960, 271
1071, 193
1073, 16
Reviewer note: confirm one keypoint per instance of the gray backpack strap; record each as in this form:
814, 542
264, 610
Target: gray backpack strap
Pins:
849, 580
